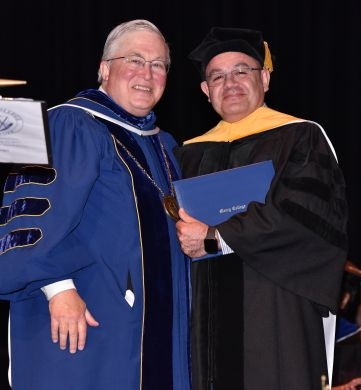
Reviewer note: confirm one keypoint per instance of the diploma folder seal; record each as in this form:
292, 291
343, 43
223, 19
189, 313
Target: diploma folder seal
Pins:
214, 197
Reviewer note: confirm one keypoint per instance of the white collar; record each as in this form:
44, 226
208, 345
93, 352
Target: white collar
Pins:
126, 126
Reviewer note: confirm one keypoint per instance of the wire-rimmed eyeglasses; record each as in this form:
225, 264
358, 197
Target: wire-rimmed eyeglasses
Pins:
136, 62
237, 73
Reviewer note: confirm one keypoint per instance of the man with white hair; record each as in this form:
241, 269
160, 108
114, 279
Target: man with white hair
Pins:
92, 239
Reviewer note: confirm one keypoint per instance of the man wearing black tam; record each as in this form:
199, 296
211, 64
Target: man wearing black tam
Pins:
263, 307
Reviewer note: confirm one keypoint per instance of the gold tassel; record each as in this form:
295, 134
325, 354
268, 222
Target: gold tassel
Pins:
323, 383
267, 57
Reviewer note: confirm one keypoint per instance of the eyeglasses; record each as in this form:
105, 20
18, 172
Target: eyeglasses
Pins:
239, 72
135, 62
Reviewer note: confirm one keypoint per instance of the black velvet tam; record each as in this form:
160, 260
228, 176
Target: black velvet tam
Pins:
222, 39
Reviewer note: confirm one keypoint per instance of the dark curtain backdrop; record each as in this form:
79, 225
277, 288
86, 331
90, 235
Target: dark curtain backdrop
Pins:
56, 47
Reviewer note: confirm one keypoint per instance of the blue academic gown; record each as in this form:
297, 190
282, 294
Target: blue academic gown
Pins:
94, 217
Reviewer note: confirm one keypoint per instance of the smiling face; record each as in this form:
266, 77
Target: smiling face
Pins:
135, 90
235, 98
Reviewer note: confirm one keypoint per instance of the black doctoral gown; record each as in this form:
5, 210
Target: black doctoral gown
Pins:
257, 314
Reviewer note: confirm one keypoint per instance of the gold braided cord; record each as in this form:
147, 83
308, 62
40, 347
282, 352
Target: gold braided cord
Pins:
267, 58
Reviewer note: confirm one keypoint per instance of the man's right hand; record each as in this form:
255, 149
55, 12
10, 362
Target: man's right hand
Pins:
191, 234
69, 320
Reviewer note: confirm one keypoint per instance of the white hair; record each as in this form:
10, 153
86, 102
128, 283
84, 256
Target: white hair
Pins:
112, 42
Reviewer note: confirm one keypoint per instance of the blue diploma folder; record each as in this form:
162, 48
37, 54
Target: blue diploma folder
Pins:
215, 197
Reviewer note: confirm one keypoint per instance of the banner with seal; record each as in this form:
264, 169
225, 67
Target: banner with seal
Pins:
24, 132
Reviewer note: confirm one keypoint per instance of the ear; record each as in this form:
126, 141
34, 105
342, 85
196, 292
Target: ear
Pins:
104, 70
204, 88
266, 77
